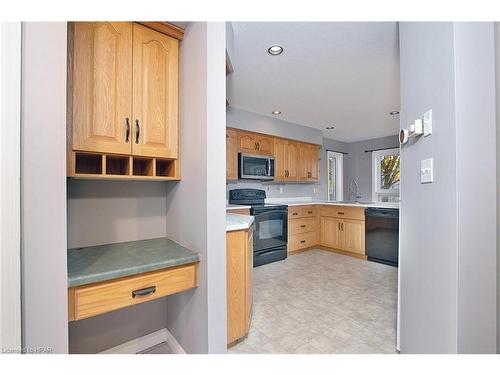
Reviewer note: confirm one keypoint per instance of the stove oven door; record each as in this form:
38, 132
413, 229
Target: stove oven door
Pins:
270, 229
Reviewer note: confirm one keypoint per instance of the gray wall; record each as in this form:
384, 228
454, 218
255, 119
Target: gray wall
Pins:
101, 212
497, 81
476, 172
43, 186
196, 205
358, 163
437, 238
240, 119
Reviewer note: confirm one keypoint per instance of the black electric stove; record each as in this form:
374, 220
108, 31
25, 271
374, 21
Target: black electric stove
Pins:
270, 233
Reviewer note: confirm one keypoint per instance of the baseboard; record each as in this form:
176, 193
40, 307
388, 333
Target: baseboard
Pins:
140, 344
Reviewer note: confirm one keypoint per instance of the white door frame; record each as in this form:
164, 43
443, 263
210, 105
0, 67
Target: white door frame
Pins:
10, 193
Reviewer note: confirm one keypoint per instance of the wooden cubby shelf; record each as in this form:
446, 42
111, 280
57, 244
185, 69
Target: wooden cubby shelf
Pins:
87, 165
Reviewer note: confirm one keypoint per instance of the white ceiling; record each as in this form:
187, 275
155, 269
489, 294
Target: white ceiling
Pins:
344, 74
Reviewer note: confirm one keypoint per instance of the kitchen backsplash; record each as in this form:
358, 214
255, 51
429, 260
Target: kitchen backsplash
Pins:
280, 190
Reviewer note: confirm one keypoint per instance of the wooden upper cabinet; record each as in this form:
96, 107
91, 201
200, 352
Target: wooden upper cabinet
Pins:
293, 161
155, 93
100, 86
231, 154
254, 143
314, 161
304, 161
265, 144
247, 142
280, 159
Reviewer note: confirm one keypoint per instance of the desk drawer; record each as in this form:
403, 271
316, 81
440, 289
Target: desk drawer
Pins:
343, 212
302, 225
302, 241
94, 299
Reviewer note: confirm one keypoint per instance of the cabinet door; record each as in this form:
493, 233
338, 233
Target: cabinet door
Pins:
231, 154
330, 232
353, 233
155, 94
293, 161
249, 276
280, 159
303, 162
313, 161
265, 144
247, 142
100, 84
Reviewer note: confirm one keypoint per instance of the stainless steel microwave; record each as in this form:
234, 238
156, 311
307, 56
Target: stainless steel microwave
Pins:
255, 167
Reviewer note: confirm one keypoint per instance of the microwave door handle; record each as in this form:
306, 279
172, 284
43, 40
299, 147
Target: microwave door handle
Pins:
268, 162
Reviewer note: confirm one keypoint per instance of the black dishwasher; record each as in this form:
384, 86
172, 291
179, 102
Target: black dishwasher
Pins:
382, 235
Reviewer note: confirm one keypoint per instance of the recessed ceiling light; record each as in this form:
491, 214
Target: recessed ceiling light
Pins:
276, 112
330, 127
394, 113
275, 50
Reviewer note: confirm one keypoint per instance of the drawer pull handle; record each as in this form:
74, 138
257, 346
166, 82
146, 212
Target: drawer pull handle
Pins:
295, 214
340, 213
303, 241
309, 212
303, 226
144, 292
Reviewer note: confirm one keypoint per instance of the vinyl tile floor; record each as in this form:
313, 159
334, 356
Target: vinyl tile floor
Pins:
322, 302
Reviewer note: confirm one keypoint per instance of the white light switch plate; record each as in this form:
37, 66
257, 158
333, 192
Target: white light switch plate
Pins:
426, 171
427, 123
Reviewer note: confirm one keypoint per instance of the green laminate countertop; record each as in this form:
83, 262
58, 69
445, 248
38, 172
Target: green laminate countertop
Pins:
92, 264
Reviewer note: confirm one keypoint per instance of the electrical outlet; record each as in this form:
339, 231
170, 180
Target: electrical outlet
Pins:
426, 171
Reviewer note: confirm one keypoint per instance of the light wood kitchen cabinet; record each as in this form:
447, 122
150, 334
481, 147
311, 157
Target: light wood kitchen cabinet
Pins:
155, 93
331, 235
286, 159
123, 101
255, 143
100, 86
265, 144
343, 228
247, 142
313, 162
303, 228
239, 268
231, 154
280, 159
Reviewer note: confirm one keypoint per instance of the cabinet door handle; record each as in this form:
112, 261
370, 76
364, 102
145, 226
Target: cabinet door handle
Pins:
144, 292
127, 131
342, 227
137, 131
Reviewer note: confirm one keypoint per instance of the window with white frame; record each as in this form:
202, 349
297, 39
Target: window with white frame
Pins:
335, 161
386, 175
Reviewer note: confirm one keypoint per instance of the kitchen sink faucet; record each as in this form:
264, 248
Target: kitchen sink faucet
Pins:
354, 193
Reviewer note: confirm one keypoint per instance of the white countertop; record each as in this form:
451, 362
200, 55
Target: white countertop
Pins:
303, 201
236, 207
238, 222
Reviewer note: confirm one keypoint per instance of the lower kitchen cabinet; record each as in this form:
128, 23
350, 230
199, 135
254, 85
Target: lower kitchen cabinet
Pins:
239, 268
353, 235
330, 232
302, 228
